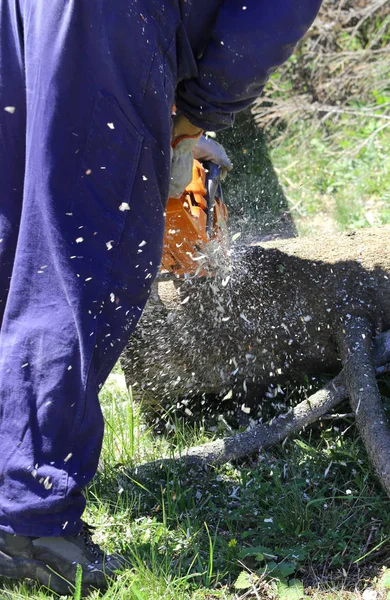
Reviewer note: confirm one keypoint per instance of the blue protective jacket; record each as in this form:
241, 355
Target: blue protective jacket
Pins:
86, 95
229, 48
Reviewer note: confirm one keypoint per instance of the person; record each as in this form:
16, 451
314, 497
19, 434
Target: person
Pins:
86, 94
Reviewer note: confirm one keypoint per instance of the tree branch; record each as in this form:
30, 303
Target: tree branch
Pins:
260, 436
304, 414
357, 355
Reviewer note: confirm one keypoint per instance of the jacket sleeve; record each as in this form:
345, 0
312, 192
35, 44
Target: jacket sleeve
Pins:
251, 38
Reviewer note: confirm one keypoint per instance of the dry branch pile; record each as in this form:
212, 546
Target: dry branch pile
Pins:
280, 310
342, 63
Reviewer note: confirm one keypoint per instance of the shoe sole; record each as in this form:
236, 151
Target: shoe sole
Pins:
35, 570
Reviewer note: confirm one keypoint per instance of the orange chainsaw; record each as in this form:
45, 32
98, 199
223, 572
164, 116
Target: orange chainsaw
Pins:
193, 222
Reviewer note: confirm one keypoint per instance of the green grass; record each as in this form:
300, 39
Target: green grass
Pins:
305, 513
336, 177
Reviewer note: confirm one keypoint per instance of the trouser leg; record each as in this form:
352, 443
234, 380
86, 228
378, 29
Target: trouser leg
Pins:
88, 247
12, 141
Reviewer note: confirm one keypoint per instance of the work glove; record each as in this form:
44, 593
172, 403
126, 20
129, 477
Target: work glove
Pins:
208, 149
182, 160
187, 147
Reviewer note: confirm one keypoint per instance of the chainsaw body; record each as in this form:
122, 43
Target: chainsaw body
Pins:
194, 220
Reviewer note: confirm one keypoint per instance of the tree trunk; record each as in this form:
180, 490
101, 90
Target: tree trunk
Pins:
272, 316
279, 312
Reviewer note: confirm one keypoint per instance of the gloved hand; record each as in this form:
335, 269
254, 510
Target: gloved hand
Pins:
189, 143
187, 147
182, 160
209, 149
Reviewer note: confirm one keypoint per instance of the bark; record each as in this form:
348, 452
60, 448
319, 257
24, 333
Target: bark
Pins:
260, 436
357, 354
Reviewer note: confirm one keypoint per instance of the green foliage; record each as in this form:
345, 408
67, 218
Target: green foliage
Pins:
322, 179
386, 579
78, 583
336, 183
308, 506
290, 591
244, 581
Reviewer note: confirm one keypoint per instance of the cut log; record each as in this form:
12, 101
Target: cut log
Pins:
269, 317
278, 312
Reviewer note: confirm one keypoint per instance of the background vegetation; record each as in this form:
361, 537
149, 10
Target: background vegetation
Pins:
319, 155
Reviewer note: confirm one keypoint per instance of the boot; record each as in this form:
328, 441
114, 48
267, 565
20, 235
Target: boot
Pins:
52, 561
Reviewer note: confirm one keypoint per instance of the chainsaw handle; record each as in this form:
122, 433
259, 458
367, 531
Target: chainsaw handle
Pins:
213, 178
213, 181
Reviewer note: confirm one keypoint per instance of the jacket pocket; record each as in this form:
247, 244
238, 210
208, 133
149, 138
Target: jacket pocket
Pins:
104, 189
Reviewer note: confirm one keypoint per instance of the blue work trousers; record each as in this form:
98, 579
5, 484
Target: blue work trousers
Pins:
86, 91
